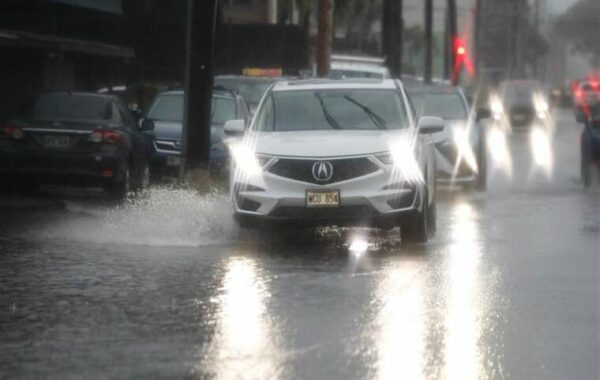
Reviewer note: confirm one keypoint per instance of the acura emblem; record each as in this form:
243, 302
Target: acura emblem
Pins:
322, 171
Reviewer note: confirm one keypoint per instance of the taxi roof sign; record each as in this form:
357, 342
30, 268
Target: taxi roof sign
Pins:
258, 72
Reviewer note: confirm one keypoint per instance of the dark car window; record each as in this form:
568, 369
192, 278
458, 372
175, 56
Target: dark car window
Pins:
223, 110
447, 106
71, 107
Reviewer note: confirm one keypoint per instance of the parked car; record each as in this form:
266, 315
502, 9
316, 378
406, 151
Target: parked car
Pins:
524, 102
76, 138
164, 122
336, 152
462, 157
590, 145
586, 95
251, 89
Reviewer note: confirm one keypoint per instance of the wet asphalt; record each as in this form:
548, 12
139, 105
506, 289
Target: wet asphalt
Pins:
165, 287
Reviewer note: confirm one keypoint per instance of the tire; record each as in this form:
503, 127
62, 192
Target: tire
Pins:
586, 168
119, 190
432, 218
26, 186
142, 180
418, 230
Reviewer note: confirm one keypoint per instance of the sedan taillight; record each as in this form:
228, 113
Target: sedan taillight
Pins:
9, 131
105, 136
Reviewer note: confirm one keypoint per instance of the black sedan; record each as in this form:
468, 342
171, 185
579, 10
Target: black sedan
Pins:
78, 139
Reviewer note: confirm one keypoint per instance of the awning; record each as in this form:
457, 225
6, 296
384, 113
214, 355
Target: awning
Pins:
54, 43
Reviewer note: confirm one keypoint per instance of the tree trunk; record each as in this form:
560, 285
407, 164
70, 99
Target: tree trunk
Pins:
324, 38
451, 37
428, 41
392, 36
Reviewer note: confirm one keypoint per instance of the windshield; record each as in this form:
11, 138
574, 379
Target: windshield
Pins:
169, 107
446, 106
71, 107
332, 109
251, 90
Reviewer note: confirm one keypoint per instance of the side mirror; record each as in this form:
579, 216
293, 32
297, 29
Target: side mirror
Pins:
235, 127
430, 124
136, 114
146, 125
483, 113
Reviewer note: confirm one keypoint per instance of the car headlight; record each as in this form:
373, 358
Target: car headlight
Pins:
462, 137
404, 163
249, 162
540, 104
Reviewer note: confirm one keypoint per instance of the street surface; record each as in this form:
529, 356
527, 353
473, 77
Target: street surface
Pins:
164, 287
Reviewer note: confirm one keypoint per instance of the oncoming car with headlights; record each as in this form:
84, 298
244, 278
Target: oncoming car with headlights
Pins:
336, 153
461, 158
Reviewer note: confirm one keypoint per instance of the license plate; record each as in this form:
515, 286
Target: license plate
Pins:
173, 161
322, 198
519, 117
56, 142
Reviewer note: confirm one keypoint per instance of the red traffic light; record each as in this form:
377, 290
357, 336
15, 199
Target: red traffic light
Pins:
460, 50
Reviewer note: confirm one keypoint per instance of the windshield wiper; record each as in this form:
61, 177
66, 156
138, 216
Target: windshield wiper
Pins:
334, 124
376, 119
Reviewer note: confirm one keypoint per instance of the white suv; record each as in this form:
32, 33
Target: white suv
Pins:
335, 153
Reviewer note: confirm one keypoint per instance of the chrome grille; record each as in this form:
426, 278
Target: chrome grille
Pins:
343, 169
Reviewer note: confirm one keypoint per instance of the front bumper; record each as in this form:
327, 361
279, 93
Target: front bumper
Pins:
364, 201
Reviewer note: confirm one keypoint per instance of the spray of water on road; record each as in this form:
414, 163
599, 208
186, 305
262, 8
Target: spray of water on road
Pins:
161, 216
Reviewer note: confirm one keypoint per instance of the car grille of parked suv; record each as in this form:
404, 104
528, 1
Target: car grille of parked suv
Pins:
169, 145
343, 169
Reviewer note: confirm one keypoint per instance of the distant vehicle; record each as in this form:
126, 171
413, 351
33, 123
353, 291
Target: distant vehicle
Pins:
590, 146
462, 157
251, 89
347, 66
336, 152
524, 102
76, 138
586, 94
164, 123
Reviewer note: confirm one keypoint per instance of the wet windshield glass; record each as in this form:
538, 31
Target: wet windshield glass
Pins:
332, 109
71, 107
167, 108
251, 90
170, 108
446, 106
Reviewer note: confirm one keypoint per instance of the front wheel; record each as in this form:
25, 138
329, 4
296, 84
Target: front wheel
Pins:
418, 230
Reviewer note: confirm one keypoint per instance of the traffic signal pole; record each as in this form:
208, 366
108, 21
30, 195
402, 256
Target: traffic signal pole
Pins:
201, 31
451, 38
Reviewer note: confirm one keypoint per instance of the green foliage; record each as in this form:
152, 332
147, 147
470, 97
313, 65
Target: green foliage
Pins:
580, 25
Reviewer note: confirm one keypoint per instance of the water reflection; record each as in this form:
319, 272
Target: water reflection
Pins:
399, 328
243, 345
462, 324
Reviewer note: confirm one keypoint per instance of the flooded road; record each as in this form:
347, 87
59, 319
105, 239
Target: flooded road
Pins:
164, 287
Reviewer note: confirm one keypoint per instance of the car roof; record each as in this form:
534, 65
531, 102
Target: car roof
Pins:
433, 89
332, 84
216, 92
107, 96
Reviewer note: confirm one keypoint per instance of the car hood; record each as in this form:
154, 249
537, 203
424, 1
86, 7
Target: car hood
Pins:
324, 143
169, 130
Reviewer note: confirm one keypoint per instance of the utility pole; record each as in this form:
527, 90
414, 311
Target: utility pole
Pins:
478, 13
201, 31
324, 37
452, 34
393, 26
428, 40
